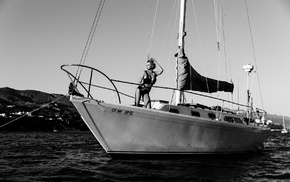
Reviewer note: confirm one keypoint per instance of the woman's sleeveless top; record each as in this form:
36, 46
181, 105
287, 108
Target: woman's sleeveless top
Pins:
147, 78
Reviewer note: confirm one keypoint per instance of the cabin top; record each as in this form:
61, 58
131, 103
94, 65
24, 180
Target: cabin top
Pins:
201, 111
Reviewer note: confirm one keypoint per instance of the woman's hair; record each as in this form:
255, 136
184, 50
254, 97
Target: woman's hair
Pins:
152, 61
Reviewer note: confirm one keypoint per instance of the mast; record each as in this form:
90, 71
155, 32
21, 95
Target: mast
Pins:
248, 69
284, 126
181, 35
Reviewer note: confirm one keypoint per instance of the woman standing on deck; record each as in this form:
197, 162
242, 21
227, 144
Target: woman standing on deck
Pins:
148, 79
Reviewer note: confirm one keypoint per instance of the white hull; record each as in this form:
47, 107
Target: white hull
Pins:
132, 130
284, 131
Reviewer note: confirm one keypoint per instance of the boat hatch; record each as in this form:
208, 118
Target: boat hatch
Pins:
174, 110
232, 119
212, 116
195, 113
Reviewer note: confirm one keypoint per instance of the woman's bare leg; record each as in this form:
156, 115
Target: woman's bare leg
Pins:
137, 97
147, 101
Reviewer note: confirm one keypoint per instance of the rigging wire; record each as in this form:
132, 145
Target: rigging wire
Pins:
221, 38
174, 7
152, 31
254, 53
149, 29
167, 30
253, 80
174, 89
224, 43
82, 60
218, 34
175, 25
90, 37
29, 113
227, 59
199, 42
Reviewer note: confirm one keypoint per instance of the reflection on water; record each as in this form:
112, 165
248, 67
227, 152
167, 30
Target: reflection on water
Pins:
77, 156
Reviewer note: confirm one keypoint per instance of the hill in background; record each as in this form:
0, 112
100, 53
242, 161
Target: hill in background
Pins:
43, 111
52, 110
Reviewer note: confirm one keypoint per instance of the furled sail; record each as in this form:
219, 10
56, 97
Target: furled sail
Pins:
189, 79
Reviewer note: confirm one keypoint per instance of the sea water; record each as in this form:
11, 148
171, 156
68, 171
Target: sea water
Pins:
77, 156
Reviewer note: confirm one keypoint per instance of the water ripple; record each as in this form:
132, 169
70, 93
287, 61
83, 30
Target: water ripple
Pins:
77, 156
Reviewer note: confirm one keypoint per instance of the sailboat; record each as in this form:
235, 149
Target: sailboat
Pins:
180, 129
284, 130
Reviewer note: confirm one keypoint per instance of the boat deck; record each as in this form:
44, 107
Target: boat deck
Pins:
201, 111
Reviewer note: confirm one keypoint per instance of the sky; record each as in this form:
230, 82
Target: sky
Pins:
38, 36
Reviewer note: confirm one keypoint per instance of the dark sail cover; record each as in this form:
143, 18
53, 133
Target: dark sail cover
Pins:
190, 79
